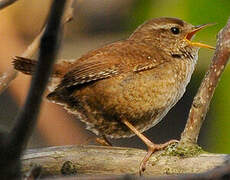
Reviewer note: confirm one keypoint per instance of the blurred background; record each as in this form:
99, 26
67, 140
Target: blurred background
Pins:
99, 22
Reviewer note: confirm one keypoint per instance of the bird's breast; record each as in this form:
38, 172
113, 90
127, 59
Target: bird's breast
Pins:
143, 98
138, 93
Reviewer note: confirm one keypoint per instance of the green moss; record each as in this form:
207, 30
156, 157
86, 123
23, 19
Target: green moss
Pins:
169, 171
68, 168
185, 150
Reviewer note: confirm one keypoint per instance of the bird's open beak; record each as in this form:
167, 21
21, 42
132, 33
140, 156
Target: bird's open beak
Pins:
189, 36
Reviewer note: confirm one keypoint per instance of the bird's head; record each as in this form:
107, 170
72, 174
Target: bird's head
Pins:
171, 34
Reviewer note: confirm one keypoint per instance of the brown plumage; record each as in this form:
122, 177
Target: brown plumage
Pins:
126, 87
27, 66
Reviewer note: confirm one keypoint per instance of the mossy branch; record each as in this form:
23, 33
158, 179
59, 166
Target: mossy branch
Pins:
101, 160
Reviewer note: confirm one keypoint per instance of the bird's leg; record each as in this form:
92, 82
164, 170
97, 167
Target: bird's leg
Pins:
103, 141
151, 146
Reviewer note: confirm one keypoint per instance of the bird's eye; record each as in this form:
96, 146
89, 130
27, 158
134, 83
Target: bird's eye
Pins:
175, 30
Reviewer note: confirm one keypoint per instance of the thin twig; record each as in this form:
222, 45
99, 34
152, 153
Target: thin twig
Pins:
6, 78
5, 3
13, 146
204, 95
11, 74
48, 50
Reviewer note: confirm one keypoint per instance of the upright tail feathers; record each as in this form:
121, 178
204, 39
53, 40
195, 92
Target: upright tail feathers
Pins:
27, 66
24, 65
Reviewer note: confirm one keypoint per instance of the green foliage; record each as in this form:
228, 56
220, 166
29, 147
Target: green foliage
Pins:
220, 125
185, 150
140, 12
199, 12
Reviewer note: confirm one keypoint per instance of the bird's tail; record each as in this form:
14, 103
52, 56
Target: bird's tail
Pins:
24, 65
27, 66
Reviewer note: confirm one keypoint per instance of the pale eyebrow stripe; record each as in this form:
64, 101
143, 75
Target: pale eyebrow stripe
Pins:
163, 26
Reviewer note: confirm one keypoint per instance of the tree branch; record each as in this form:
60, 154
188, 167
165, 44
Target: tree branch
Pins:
11, 74
47, 55
107, 160
111, 160
204, 95
14, 143
6, 78
6, 3
101, 160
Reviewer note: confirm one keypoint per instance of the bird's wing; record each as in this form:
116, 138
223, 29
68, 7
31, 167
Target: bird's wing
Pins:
146, 66
97, 65
88, 72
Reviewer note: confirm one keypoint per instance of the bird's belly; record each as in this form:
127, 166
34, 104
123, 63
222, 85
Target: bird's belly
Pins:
143, 99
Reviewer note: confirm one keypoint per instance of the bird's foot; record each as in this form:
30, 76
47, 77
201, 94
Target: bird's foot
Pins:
151, 149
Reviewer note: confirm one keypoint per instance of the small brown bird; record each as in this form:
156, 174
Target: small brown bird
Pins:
127, 87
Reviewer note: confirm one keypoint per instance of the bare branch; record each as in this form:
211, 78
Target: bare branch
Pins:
11, 74
48, 50
6, 78
12, 146
5, 3
204, 95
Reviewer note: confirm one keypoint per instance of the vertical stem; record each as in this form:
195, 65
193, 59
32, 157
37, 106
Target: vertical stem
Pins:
5, 3
204, 95
48, 49
13, 144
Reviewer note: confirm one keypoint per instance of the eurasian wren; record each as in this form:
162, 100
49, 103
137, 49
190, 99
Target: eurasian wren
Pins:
127, 87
